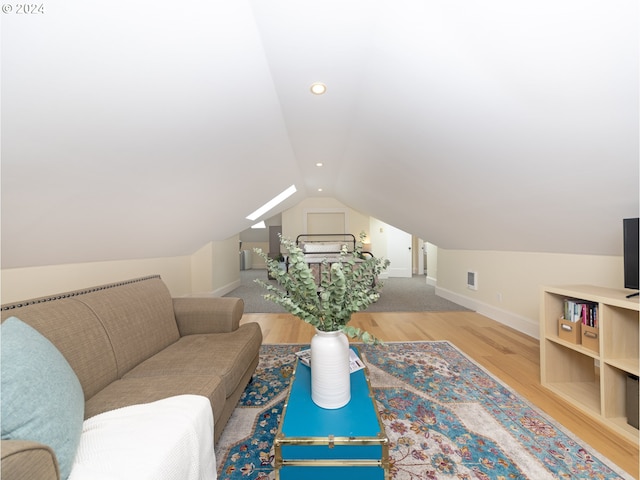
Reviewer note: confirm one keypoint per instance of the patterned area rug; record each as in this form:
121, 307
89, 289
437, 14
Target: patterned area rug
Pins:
445, 416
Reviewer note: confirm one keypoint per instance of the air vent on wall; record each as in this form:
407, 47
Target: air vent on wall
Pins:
472, 280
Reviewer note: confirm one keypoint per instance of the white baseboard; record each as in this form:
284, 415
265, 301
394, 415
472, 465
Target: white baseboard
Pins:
513, 320
219, 292
432, 281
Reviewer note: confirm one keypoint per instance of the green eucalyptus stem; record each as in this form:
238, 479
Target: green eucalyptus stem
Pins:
345, 287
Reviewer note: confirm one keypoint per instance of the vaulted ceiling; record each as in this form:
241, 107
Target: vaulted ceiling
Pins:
149, 128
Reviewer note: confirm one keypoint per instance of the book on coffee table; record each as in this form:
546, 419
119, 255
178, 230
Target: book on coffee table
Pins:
355, 363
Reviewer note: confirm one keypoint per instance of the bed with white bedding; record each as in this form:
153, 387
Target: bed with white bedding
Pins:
322, 249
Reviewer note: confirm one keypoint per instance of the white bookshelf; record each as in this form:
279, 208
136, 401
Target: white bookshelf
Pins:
594, 381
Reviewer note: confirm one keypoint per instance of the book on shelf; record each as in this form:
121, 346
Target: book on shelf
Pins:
581, 311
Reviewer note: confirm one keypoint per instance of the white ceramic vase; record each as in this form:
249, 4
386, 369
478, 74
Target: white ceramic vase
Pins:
330, 375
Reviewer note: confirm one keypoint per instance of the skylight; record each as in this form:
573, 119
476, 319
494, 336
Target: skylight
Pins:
272, 203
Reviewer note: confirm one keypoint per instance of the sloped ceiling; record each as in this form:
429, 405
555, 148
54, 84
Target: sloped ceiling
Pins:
149, 128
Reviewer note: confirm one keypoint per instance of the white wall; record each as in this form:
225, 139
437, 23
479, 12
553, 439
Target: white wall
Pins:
256, 260
214, 269
32, 282
225, 266
201, 269
431, 267
509, 282
378, 238
293, 220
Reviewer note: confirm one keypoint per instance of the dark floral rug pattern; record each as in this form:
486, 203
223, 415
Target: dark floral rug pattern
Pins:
445, 416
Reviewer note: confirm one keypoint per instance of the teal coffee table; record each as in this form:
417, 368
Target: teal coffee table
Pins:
317, 444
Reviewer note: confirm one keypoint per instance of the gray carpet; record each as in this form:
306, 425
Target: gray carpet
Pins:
397, 295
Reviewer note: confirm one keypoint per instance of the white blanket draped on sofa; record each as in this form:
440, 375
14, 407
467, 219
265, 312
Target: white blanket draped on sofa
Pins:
171, 439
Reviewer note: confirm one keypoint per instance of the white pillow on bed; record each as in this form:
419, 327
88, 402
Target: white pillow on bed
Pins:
321, 248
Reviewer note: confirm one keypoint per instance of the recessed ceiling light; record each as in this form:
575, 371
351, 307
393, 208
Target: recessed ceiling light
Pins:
319, 189
318, 88
319, 164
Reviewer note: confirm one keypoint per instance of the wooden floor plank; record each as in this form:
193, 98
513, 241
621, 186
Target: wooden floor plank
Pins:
511, 356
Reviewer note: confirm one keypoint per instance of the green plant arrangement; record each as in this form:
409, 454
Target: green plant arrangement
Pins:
346, 286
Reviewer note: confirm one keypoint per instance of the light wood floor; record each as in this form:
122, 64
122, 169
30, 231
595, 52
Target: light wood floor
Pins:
511, 356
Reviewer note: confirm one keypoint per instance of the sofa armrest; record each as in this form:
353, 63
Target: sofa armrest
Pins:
23, 459
207, 315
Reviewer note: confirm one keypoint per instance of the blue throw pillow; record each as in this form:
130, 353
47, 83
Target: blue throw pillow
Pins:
42, 399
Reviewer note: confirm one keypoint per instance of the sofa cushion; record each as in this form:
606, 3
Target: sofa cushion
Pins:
42, 399
138, 318
132, 391
77, 333
227, 355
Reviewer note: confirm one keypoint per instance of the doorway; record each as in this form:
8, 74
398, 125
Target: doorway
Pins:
399, 252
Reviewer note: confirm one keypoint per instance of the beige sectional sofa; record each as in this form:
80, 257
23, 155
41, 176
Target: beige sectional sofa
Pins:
131, 343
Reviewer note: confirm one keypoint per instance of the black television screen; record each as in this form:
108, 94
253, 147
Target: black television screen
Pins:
630, 227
